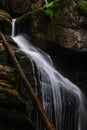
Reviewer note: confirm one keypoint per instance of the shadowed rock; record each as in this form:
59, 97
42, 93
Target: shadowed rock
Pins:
5, 22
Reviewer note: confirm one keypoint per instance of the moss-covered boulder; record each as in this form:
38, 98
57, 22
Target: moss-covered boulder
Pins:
5, 22
59, 21
41, 23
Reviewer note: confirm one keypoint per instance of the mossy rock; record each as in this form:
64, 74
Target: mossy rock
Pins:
49, 22
5, 22
43, 23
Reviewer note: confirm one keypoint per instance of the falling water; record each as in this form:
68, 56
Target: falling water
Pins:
62, 100
46, 1
13, 27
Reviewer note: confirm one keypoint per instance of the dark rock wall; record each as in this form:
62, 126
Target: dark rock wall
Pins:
5, 22
15, 7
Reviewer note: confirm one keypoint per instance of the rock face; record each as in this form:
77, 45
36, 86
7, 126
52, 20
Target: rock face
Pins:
17, 6
60, 21
5, 22
13, 113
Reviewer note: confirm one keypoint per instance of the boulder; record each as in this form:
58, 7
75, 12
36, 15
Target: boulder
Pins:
58, 21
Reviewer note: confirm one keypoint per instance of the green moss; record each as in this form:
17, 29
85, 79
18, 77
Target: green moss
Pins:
49, 9
35, 24
45, 22
49, 13
54, 11
3, 96
82, 6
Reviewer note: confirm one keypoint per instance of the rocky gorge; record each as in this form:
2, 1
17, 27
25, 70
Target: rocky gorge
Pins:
60, 29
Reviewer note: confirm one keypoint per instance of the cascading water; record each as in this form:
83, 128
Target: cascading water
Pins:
62, 100
13, 27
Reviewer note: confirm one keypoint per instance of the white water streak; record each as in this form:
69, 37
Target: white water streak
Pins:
13, 27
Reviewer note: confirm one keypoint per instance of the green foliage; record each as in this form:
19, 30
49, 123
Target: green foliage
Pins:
3, 96
54, 11
49, 5
48, 9
35, 23
49, 13
82, 6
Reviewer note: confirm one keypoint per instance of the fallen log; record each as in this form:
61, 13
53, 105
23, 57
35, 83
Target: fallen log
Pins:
48, 123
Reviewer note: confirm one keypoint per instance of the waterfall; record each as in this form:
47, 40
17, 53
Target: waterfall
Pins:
13, 27
62, 100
